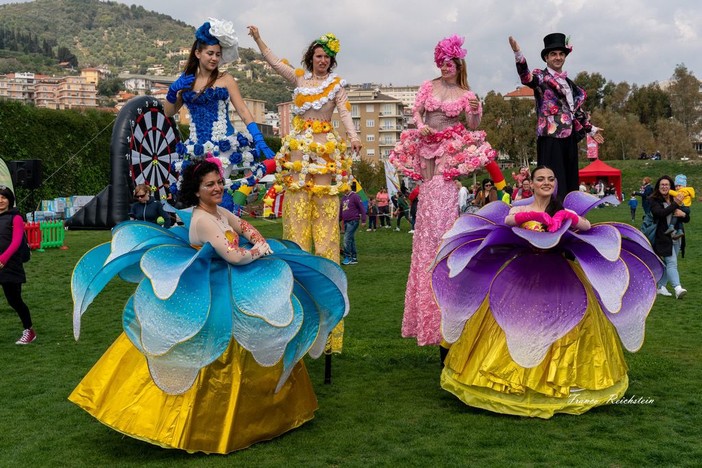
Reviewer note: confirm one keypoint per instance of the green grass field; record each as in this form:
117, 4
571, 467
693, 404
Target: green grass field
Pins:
385, 406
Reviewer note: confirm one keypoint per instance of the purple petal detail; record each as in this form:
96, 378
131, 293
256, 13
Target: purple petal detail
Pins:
632, 233
461, 256
536, 299
645, 254
542, 240
460, 297
606, 239
630, 322
467, 223
609, 279
448, 246
581, 202
495, 211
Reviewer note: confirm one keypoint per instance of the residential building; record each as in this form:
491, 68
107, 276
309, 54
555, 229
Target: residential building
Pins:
406, 94
18, 87
522, 92
64, 92
378, 119
91, 75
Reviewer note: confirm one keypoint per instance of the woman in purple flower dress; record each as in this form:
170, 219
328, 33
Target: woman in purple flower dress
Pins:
538, 303
438, 151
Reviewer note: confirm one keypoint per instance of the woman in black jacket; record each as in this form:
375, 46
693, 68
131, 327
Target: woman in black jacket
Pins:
11, 268
664, 208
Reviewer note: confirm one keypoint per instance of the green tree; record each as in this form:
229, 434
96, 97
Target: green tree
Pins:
616, 96
510, 126
672, 139
370, 174
625, 136
686, 100
594, 85
110, 87
649, 103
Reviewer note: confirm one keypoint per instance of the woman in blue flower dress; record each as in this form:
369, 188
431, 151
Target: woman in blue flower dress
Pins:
537, 304
210, 357
207, 93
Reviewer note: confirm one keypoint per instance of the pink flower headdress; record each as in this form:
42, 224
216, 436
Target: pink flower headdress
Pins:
449, 48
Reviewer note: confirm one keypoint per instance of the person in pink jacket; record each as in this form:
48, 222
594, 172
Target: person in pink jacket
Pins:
382, 199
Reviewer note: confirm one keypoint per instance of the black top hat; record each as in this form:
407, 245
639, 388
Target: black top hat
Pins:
555, 41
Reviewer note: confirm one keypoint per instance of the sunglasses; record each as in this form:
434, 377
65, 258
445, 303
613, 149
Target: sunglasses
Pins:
139, 195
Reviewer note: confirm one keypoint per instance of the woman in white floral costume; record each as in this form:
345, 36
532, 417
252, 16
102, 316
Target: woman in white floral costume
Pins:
312, 163
207, 93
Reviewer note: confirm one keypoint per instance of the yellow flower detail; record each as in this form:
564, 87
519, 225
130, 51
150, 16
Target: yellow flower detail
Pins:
294, 144
326, 127
316, 126
299, 72
297, 166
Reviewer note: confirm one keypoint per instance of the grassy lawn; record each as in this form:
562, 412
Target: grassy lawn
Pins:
385, 406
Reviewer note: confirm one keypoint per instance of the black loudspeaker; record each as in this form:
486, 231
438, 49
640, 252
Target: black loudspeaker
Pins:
26, 173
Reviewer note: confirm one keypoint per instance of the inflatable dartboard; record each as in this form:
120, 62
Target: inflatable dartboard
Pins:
141, 151
147, 141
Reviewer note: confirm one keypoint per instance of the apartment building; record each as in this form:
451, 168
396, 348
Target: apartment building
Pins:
18, 87
65, 92
378, 119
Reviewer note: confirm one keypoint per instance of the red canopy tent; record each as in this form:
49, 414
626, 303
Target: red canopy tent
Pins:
598, 170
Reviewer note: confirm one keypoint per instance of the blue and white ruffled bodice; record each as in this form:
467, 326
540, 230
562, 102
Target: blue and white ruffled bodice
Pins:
212, 133
209, 115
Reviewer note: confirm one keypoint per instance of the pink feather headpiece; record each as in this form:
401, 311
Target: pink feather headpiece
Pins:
449, 48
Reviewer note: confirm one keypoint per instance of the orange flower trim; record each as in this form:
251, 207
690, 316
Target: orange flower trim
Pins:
315, 97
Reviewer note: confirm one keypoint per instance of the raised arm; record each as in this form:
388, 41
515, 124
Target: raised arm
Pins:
281, 67
525, 76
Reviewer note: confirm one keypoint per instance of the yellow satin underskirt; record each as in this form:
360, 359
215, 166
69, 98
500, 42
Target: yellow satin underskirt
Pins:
583, 369
230, 406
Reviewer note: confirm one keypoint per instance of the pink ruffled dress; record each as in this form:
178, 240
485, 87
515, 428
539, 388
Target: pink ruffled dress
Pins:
439, 107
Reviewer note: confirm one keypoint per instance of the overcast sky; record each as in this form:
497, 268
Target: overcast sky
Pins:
392, 41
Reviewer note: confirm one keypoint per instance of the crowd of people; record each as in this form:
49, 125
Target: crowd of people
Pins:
507, 281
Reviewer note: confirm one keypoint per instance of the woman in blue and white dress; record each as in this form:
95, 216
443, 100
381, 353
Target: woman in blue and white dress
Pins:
207, 93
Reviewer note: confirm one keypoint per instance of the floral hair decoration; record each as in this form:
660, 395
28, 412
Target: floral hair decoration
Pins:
329, 43
449, 48
220, 32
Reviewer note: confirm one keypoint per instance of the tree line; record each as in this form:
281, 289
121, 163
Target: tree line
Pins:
655, 117
28, 43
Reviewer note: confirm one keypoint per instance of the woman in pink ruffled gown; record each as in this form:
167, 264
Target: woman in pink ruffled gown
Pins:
438, 151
